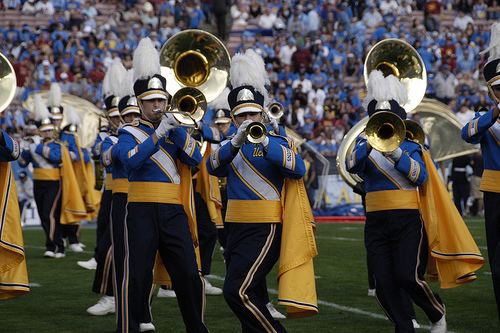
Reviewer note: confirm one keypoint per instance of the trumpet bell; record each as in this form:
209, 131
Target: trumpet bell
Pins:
397, 57
8, 82
414, 131
195, 58
256, 132
385, 131
188, 106
275, 110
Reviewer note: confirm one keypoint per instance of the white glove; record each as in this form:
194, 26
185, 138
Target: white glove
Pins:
33, 147
265, 143
394, 155
241, 136
166, 124
276, 127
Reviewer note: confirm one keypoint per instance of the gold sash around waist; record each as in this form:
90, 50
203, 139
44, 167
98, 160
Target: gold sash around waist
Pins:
391, 199
109, 181
253, 211
120, 185
46, 174
154, 192
490, 181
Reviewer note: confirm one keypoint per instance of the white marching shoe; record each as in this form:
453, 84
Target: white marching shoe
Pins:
59, 255
274, 313
146, 327
105, 305
415, 323
90, 264
439, 326
211, 290
49, 254
166, 293
371, 292
75, 248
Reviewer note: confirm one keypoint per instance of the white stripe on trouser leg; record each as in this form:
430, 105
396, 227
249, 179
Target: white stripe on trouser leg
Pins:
124, 304
248, 280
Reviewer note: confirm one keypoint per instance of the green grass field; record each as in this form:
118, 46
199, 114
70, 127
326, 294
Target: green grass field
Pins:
62, 292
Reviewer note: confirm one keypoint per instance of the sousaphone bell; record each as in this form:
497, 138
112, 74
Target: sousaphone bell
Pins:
8, 82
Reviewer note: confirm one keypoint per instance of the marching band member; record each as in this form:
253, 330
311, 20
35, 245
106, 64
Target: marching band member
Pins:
154, 151
256, 175
103, 279
46, 158
13, 271
485, 130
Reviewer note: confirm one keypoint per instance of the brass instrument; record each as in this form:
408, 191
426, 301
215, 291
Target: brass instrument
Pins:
385, 131
256, 132
414, 131
275, 110
8, 82
188, 106
195, 58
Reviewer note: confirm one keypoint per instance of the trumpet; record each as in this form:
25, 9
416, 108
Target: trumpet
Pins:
414, 132
256, 132
385, 131
275, 110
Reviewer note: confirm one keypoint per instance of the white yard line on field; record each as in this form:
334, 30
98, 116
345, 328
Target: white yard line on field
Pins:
340, 238
336, 306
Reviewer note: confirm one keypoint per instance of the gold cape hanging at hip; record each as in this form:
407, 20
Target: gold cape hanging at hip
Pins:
208, 186
454, 255
72, 206
13, 270
161, 275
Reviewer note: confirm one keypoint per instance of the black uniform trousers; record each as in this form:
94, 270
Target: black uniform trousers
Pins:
492, 221
397, 251
251, 252
103, 278
221, 231
70, 231
461, 192
47, 195
152, 227
207, 233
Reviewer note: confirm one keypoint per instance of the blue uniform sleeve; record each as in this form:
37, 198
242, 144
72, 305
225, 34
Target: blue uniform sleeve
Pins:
356, 162
412, 166
96, 149
189, 151
218, 163
72, 147
474, 130
51, 152
9, 149
132, 154
106, 152
289, 162
86, 155
211, 134
25, 158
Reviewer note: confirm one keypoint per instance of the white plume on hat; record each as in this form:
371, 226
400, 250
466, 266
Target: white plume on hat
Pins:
113, 79
494, 47
55, 95
221, 101
146, 61
40, 109
382, 88
249, 69
127, 86
72, 116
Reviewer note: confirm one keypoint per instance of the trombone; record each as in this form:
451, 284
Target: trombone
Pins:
188, 106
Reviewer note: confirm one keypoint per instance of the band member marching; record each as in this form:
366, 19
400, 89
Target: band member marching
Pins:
103, 279
256, 175
156, 153
485, 130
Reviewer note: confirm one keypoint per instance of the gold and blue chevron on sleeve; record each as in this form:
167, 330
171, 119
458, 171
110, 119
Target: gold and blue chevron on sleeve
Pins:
214, 159
133, 151
473, 127
352, 160
189, 146
107, 157
288, 158
414, 170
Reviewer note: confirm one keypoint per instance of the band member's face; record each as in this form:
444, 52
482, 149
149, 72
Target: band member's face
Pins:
47, 134
152, 109
128, 118
224, 127
114, 122
57, 123
496, 91
253, 116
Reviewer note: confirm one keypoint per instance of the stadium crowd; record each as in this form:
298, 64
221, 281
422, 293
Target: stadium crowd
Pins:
314, 50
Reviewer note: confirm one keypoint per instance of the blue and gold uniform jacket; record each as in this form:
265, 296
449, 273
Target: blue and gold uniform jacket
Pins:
255, 178
153, 171
70, 139
485, 129
388, 184
96, 149
110, 158
9, 148
105, 158
46, 159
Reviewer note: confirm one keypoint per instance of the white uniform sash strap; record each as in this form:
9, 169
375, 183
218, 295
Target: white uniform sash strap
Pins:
253, 179
113, 139
41, 161
161, 157
495, 131
387, 168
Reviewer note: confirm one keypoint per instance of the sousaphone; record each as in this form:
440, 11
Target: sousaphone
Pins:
8, 82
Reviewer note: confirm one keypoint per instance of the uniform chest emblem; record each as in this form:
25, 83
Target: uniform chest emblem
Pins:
257, 152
